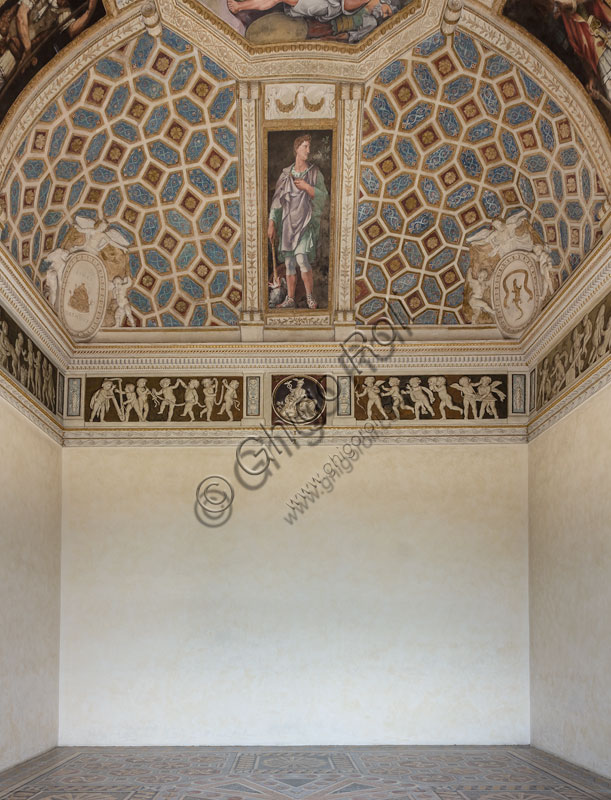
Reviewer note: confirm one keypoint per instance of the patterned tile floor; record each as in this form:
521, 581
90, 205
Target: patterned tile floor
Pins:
300, 773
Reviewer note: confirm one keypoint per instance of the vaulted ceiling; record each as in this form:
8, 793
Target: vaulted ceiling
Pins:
146, 142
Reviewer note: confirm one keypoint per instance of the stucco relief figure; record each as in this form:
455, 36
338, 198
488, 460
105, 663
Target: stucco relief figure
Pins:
438, 384
48, 385
7, 350
299, 200
579, 351
229, 398
558, 373
487, 394
22, 359
396, 394
544, 391
210, 387
101, 400
129, 402
468, 390
420, 396
109, 245
191, 399
297, 406
431, 397
601, 336
166, 396
19, 368
142, 393
123, 311
510, 274
479, 289
158, 399
56, 264
38, 374
371, 389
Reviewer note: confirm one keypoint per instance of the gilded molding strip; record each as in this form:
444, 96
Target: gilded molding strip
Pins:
351, 113
248, 96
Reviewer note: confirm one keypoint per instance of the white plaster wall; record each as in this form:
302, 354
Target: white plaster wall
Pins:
30, 529
570, 586
395, 610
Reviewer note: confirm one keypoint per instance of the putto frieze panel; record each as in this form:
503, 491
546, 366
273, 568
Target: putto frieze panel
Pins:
430, 397
26, 365
169, 399
579, 353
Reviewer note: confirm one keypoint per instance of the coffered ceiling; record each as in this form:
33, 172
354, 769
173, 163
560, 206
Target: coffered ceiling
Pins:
133, 143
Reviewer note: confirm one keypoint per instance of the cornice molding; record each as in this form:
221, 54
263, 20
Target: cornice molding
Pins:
415, 434
39, 322
17, 398
571, 399
590, 285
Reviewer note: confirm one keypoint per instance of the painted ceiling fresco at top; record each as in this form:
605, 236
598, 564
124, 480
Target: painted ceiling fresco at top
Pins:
576, 32
31, 33
141, 152
453, 139
263, 22
137, 160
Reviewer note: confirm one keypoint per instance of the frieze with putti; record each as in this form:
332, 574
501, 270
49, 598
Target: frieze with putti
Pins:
580, 351
430, 397
189, 400
25, 363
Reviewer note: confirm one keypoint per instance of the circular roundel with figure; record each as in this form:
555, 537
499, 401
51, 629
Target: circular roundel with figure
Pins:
299, 400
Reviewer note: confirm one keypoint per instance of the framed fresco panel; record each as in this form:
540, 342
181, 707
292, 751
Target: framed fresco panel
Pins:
298, 197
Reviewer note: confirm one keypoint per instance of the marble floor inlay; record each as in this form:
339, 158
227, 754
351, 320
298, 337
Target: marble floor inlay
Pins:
300, 773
